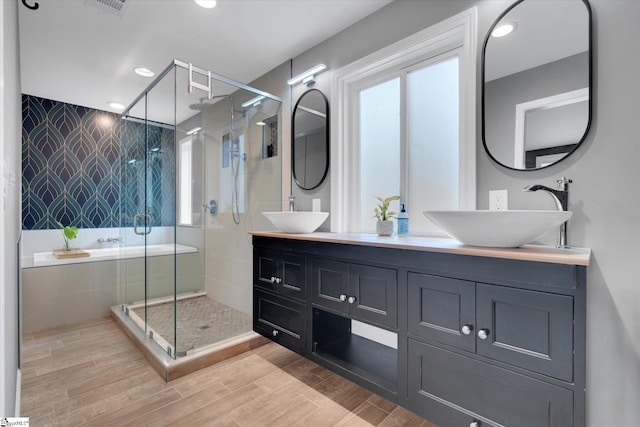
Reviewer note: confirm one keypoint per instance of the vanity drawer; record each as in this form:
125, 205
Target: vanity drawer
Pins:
463, 390
279, 319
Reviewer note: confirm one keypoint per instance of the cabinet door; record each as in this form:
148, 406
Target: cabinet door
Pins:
373, 295
265, 269
279, 319
533, 330
330, 284
463, 390
442, 309
293, 276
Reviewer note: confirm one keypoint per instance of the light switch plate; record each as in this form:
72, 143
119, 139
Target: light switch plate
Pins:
499, 200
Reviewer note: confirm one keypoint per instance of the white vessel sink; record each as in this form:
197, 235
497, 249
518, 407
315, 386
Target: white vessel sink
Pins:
497, 229
298, 222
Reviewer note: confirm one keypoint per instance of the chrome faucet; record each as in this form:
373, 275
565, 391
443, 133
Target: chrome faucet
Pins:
561, 199
292, 201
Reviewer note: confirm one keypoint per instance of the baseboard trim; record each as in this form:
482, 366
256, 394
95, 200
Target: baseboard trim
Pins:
18, 392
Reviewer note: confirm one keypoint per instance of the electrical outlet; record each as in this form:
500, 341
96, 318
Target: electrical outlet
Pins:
498, 200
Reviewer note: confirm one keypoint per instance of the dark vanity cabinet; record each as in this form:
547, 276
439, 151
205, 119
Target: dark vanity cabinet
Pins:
279, 310
516, 328
476, 341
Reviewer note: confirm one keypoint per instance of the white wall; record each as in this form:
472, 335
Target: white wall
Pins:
10, 212
606, 217
605, 170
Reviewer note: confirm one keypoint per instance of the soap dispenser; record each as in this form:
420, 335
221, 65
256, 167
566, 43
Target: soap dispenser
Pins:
403, 221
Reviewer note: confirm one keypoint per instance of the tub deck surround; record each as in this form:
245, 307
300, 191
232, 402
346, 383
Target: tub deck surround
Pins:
44, 259
538, 253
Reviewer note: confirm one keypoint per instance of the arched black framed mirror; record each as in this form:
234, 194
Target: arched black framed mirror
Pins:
310, 148
537, 84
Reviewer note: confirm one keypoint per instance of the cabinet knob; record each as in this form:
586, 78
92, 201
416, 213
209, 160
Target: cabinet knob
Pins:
483, 334
278, 280
351, 300
466, 329
474, 424
273, 279
275, 332
343, 297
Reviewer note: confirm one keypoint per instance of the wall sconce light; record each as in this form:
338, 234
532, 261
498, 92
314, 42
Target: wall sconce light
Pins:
308, 77
194, 130
253, 102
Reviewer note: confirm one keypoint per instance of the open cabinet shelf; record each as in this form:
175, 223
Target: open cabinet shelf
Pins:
334, 342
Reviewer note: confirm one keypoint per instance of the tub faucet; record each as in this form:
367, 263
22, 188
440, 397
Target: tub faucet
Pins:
292, 201
561, 199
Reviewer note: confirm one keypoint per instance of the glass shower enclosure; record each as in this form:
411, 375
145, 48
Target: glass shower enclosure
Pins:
192, 147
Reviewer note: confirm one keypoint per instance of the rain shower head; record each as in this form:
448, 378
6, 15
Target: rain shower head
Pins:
207, 102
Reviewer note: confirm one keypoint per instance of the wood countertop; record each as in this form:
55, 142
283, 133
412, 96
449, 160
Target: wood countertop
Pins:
537, 253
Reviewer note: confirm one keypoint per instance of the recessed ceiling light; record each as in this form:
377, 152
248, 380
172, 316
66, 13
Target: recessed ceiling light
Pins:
208, 4
116, 105
144, 72
504, 29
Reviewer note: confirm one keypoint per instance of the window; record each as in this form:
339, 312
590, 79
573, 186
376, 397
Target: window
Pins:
185, 155
406, 118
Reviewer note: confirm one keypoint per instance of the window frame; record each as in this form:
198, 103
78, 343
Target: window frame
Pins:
458, 32
185, 187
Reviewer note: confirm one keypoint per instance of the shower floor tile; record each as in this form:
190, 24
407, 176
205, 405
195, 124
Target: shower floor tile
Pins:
201, 321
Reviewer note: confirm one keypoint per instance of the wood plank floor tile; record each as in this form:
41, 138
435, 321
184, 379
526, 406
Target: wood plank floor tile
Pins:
91, 375
381, 403
289, 414
370, 413
256, 411
177, 412
328, 414
218, 410
142, 405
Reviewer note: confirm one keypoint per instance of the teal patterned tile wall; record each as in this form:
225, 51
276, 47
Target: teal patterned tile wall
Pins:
147, 173
74, 170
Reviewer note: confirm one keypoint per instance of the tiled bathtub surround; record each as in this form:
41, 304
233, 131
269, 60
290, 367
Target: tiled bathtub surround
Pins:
76, 170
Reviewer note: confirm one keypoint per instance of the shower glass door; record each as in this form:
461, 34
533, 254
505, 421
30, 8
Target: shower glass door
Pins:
148, 267
200, 160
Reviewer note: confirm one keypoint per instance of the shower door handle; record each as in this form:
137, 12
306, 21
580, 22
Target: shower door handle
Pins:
147, 224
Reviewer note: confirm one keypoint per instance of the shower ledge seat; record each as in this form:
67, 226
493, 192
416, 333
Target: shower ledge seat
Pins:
44, 259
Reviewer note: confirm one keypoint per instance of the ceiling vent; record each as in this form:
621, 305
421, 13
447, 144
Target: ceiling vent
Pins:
114, 7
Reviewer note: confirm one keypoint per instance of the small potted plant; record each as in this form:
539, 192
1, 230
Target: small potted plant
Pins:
384, 226
68, 233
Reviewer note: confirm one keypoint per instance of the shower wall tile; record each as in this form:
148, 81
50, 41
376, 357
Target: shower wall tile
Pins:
74, 168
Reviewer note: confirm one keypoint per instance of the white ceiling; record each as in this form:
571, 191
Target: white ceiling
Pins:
73, 52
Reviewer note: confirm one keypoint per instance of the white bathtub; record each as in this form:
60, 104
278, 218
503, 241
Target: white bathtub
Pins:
44, 259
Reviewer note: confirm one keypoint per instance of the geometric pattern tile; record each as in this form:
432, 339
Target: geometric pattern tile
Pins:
76, 170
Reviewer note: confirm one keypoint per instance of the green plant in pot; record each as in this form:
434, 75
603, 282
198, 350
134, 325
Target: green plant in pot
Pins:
69, 233
384, 226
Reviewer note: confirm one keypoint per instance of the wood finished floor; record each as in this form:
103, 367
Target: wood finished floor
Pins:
92, 375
